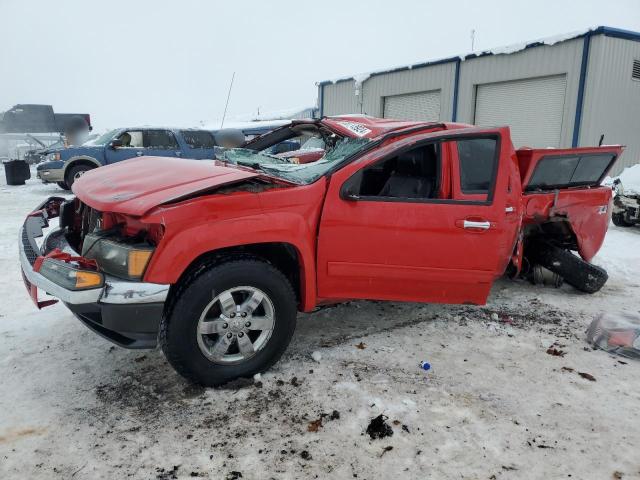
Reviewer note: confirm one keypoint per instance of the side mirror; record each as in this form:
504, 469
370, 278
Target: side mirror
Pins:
115, 144
350, 192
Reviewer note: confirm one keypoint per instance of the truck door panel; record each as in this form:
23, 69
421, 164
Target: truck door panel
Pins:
430, 249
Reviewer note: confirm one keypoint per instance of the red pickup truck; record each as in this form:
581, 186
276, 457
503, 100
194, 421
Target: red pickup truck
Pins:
214, 259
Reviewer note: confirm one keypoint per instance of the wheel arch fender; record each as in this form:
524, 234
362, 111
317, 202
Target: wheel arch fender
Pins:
183, 250
80, 160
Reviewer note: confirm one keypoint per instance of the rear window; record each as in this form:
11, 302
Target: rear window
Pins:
162, 139
198, 138
569, 171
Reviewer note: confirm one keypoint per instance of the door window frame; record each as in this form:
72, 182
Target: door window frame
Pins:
130, 131
170, 132
344, 188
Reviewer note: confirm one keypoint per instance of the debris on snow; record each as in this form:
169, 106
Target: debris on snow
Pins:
556, 352
314, 425
425, 365
617, 333
584, 375
386, 449
588, 376
361, 346
379, 428
305, 455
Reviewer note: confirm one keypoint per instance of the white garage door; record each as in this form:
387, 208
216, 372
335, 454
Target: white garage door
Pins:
413, 106
533, 108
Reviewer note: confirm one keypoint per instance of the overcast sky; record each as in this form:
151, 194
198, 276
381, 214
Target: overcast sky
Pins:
170, 63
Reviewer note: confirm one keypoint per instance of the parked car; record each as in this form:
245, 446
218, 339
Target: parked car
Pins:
626, 202
65, 165
213, 260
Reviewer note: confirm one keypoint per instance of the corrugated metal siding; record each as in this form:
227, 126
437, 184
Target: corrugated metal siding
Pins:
435, 77
533, 108
563, 58
340, 98
413, 106
612, 98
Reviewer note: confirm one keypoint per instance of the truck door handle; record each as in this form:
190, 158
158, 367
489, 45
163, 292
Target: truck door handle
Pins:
138, 153
473, 224
509, 209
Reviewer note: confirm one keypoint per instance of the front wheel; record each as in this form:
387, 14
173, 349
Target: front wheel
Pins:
619, 220
75, 173
233, 320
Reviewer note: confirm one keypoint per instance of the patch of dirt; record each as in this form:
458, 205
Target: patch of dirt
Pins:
379, 428
13, 435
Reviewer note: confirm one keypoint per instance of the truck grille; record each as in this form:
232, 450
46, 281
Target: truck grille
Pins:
91, 220
28, 250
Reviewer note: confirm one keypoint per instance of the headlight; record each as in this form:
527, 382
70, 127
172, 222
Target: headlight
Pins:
116, 258
53, 157
70, 277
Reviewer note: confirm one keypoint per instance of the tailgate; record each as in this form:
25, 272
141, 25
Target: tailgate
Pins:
557, 168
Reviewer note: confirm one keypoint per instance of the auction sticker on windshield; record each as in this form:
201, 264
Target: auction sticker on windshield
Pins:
359, 129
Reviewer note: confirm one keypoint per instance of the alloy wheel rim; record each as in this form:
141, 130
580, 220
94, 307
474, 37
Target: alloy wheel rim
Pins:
235, 325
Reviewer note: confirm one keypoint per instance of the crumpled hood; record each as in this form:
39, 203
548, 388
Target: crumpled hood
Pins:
134, 187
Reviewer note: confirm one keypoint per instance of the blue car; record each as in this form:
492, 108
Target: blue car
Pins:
65, 165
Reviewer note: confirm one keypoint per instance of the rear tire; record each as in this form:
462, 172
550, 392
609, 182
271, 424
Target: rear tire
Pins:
197, 308
75, 173
63, 186
619, 221
581, 275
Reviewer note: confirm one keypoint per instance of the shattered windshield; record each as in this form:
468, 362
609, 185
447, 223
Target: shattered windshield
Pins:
313, 143
250, 158
294, 172
309, 172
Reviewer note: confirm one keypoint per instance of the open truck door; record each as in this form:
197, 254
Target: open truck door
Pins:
432, 218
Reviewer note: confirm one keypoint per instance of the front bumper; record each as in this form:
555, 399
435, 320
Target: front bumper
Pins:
51, 175
127, 313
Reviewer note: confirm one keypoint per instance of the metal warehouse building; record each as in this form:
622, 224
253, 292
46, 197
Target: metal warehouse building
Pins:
559, 92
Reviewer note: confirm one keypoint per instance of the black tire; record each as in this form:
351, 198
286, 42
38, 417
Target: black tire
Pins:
619, 221
74, 173
581, 275
179, 336
63, 186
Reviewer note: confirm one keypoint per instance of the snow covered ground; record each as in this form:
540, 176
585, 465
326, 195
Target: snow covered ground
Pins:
494, 406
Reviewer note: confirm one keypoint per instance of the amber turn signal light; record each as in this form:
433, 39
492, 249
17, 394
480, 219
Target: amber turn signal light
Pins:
86, 279
138, 260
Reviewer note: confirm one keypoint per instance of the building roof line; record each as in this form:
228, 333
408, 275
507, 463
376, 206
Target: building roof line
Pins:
600, 30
